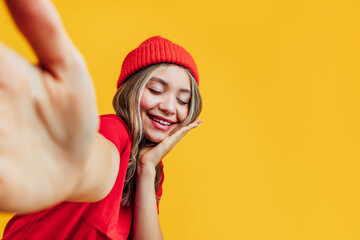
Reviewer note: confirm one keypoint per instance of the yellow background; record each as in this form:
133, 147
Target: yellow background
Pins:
278, 154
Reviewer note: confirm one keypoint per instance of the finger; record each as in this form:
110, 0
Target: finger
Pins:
163, 148
42, 27
17, 75
184, 130
171, 141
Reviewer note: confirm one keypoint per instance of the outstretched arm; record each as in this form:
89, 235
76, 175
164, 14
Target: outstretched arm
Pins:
48, 118
146, 219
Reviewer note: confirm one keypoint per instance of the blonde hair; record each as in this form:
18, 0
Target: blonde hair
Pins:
126, 104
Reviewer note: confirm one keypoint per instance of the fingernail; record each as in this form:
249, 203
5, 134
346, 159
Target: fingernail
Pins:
200, 121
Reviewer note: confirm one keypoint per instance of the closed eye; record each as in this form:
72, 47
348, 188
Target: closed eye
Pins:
182, 102
155, 91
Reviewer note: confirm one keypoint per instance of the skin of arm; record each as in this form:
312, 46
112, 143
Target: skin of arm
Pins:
94, 181
100, 172
146, 219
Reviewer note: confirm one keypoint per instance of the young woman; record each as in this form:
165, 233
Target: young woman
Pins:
65, 179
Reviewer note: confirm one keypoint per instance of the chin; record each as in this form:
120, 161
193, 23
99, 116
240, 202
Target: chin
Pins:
155, 139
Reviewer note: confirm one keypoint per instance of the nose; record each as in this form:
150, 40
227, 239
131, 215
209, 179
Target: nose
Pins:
168, 105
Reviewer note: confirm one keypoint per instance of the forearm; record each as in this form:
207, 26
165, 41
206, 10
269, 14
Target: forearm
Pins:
30, 189
42, 182
146, 219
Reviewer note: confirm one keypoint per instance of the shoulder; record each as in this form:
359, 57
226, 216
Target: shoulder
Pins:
112, 121
113, 128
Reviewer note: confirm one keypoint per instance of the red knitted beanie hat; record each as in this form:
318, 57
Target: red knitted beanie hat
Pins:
156, 50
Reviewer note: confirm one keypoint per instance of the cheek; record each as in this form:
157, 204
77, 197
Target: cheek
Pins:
146, 102
182, 114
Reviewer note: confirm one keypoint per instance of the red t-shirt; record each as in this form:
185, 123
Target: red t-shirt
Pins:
105, 219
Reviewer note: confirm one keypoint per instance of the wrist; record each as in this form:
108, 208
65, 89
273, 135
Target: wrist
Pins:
145, 173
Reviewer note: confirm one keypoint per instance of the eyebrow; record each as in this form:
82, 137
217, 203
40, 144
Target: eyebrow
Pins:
156, 79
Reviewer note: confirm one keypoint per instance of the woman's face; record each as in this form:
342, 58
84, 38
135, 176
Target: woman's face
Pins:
165, 102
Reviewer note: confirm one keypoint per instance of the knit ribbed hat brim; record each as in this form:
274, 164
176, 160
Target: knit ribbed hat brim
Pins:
156, 50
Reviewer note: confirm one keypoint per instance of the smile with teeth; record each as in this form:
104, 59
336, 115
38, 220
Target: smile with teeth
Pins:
159, 121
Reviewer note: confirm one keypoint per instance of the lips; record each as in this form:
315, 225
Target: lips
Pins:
158, 118
160, 122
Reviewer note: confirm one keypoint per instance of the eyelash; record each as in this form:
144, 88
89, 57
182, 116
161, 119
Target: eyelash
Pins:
155, 91
160, 92
182, 102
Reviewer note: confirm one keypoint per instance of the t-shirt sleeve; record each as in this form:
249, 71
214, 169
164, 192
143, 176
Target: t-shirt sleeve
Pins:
115, 130
159, 191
